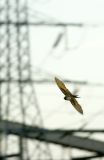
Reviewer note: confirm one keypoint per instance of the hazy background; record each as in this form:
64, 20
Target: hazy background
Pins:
78, 56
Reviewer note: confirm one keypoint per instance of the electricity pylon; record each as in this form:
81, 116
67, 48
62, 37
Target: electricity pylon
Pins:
18, 102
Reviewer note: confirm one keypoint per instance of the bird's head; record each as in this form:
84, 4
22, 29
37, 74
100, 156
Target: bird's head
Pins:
65, 98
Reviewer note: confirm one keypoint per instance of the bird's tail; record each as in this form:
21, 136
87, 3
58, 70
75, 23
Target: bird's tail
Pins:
76, 96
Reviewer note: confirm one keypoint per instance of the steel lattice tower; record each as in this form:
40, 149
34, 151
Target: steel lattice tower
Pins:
18, 102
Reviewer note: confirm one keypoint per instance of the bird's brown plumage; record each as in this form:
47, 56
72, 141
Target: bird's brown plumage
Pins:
62, 87
69, 95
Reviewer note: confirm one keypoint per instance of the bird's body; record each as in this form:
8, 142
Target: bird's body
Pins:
68, 95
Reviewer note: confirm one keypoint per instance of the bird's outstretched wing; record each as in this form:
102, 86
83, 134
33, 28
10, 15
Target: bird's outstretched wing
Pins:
76, 105
62, 87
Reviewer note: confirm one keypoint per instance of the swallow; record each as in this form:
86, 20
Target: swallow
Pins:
69, 96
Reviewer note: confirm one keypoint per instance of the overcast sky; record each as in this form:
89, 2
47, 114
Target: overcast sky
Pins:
84, 58
79, 56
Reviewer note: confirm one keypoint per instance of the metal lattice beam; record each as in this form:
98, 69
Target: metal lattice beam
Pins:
18, 101
60, 137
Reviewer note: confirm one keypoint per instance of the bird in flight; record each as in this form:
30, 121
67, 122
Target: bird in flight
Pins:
69, 96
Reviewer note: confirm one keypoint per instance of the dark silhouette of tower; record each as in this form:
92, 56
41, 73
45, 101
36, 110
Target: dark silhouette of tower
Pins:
18, 102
